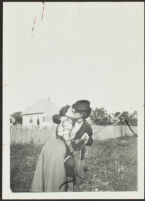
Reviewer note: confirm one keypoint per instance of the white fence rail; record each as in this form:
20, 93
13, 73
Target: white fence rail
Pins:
21, 135
106, 132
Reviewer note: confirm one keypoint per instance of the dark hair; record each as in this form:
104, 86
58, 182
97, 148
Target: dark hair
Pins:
63, 110
56, 119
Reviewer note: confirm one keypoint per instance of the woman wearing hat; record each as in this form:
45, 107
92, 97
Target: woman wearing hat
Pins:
73, 133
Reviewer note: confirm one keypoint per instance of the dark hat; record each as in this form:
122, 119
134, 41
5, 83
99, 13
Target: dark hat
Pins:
82, 105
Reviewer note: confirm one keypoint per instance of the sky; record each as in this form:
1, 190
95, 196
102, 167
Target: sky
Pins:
91, 51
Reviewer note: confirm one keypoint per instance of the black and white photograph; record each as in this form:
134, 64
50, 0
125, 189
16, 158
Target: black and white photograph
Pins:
73, 100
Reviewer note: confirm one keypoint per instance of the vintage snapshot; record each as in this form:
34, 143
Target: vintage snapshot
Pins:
73, 100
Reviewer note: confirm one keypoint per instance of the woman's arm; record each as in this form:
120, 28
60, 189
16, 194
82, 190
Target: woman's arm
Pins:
90, 133
67, 128
89, 142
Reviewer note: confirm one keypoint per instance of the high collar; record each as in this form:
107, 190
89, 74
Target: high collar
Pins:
79, 120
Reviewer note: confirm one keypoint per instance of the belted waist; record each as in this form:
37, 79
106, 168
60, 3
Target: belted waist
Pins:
76, 147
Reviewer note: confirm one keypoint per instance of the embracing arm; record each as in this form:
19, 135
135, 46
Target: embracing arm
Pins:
90, 133
67, 128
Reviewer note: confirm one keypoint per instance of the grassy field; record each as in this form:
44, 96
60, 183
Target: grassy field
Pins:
112, 165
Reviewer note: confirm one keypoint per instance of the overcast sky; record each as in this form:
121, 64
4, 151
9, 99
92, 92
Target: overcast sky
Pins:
91, 51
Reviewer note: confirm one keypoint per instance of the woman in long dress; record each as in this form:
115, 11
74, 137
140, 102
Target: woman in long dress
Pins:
50, 171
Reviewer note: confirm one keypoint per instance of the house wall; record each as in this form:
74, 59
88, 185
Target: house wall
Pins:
31, 120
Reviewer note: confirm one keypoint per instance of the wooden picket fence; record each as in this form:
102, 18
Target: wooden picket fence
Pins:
107, 132
21, 135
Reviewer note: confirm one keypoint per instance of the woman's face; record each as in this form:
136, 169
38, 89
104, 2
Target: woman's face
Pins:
73, 114
76, 114
69, 112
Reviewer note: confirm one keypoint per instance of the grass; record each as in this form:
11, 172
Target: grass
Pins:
23, 162
112, 165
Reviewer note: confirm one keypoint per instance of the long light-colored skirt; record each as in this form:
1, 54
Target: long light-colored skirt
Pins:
50, 172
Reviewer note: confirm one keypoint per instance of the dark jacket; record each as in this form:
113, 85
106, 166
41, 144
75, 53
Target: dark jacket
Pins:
85, 128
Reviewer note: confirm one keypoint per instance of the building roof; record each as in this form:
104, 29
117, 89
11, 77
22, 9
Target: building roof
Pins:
43, 106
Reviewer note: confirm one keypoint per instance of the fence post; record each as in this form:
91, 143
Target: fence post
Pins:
121, 130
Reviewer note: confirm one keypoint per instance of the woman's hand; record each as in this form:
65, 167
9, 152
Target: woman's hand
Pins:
85, 137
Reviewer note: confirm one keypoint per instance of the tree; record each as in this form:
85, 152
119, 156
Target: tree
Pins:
125, 115
130, 117
133, 118
100, 116
18, 118
117, 114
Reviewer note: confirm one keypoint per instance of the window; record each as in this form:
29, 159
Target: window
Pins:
46, 118
31, 120
43, 118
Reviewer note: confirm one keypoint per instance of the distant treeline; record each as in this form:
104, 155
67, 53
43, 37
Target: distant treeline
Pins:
100, 116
